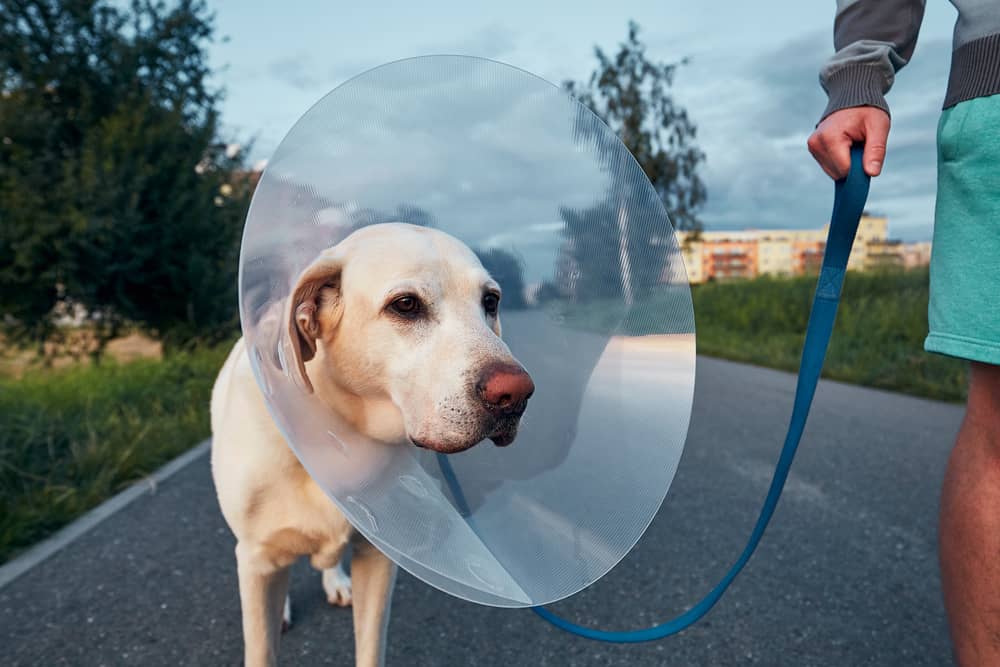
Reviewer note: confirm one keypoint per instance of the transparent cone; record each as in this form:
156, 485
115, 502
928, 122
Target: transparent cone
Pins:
596, 307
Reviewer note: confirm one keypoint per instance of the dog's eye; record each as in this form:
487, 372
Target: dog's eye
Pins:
491, 303
407, 306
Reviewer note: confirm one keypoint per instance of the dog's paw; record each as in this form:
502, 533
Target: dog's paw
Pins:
337, 585
286, 615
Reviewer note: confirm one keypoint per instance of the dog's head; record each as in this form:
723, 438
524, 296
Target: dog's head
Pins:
400, 327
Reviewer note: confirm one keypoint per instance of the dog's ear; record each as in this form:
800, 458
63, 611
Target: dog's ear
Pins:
315, 304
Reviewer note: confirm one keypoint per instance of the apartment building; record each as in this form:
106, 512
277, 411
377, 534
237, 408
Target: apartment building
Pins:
720, 255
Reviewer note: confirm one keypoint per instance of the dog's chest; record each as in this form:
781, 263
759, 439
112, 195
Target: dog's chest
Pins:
298, 519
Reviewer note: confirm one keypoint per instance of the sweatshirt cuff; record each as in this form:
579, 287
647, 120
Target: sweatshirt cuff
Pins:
858, 85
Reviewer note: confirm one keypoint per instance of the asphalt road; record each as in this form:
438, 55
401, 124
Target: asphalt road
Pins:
846, 575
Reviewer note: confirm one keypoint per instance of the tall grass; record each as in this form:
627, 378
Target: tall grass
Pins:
877, 341
71, 438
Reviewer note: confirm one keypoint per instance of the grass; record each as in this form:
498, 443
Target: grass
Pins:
73, 437
877, 341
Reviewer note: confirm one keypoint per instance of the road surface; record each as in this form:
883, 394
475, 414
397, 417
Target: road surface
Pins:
846, 575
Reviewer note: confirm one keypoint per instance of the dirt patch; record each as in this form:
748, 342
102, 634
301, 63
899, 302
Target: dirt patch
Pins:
135, 346
74, 348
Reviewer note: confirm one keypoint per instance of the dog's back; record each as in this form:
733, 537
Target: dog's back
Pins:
220, 390
243, 439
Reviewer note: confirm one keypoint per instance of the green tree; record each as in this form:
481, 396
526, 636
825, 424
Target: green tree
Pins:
632, 95
117, 194
505, 267
619, 246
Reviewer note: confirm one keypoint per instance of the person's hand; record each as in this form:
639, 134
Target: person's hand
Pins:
831, 142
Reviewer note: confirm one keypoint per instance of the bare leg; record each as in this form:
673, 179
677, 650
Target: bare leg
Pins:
263, 593
372, 579
969, 532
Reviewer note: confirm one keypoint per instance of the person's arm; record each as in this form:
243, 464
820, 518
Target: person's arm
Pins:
874, 39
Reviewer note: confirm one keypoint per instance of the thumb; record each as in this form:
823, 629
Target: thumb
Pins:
876, 137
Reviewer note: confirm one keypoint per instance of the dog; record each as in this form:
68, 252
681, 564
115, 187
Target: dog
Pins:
396, 329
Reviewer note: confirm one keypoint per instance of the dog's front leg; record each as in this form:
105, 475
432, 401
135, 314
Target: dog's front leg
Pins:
263, 587
372, 578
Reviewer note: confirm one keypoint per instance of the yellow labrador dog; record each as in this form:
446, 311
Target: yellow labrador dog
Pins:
397, 329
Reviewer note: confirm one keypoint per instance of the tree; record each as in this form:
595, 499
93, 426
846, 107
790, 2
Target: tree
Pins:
408, 213
117, 193
631, 95
547, 292
619, 245
506, 269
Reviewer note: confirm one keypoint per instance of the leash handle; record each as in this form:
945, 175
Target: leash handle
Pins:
850, 194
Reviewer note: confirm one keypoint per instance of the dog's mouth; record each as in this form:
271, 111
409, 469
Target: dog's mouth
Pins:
499, 425
505, 430
443, 448
502, 434
504, 438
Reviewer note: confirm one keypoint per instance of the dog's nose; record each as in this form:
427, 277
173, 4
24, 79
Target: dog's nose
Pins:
505, 388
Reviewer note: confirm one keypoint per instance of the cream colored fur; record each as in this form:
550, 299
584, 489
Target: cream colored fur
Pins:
389, 375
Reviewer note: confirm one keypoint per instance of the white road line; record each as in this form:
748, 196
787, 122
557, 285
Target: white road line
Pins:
67, 535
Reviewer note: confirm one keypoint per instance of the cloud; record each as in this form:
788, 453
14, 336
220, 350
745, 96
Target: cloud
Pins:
348, 68
491, 154
303, 74
754, 120
791, 98
490, 41
753, 115
294, 72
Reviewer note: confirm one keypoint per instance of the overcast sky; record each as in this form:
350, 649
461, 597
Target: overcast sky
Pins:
751, 85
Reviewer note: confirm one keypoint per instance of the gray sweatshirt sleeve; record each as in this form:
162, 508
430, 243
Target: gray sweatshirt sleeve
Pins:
874, 39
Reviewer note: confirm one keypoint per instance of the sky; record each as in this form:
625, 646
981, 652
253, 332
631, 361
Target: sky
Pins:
750, 86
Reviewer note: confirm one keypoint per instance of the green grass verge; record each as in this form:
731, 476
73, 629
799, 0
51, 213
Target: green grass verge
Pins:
877, 341
72, 438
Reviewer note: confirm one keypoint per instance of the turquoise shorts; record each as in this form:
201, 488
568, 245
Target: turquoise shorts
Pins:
964, 311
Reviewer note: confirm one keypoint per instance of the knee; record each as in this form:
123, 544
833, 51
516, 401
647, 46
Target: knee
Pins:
248, 557
257, 559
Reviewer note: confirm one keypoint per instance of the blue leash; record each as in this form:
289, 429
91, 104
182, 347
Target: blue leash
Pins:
850, 195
